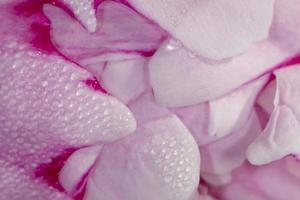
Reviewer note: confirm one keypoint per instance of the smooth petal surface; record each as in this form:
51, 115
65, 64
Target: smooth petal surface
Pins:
284, 31
228, 153
281, 136
215, 29
272, 181
216, 179
125, 80
195, 118
208, 122
180, 79
227, 114
145, 109
266, 99
160, 161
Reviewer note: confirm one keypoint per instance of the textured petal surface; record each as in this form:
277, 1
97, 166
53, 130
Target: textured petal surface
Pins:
196, 75
16, 185
160, 161
217, 28
46, 105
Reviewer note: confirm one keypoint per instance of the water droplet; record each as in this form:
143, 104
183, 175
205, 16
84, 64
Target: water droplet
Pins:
173, 45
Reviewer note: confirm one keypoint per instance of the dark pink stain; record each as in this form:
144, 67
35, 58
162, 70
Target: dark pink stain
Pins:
140, 52
80, 195
291, 61
49, 171
95, 85
147, 53
34, 7
40, 27
31, 7
81, 187
42, 38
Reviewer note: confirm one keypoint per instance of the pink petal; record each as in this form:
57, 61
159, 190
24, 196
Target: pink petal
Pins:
17, 185
116, 33
77, 166
210, 121
272, 181
284, 31
292, 165
217, 179
195, 118
46, 106
228, 153
125, 79
279, 139
227, 114
266, 98
215, 29
160, 161
145, 109
281, 136
84, 11
180, 78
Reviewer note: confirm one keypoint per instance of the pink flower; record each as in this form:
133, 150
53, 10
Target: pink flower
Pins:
152, 100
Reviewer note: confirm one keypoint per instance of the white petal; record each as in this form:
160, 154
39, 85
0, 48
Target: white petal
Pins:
179, 79
216, 28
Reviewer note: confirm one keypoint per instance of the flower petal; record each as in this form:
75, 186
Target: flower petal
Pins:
84, 11
215, 29
125, 79
116, 36
160, 161
281, 136
77, 166
46, 106
227, 114
179, 79
16, 185
272, 181
228, 153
